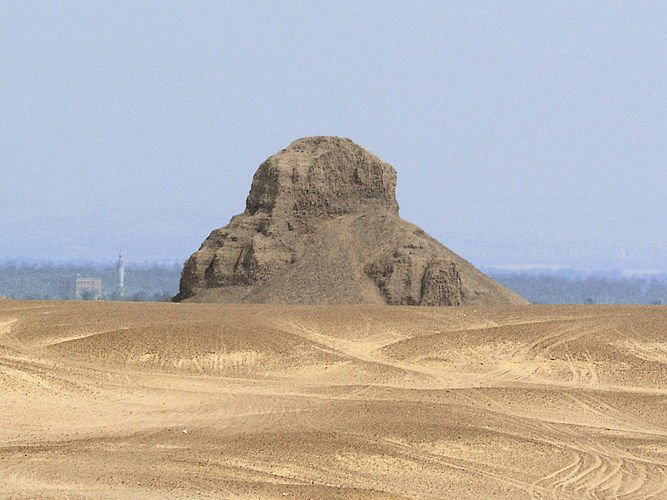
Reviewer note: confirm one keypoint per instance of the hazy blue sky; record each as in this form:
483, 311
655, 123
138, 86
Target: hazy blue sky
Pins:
138, 125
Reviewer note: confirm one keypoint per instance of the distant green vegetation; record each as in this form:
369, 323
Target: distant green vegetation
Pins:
158, 282
571, 287
46, 281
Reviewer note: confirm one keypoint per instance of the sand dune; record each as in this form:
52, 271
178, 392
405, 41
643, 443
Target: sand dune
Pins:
122, 400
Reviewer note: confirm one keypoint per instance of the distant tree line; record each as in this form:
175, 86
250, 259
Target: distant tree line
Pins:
583, 288
48, 281
159, 282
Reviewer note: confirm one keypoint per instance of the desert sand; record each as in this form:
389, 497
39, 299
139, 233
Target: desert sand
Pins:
124, 400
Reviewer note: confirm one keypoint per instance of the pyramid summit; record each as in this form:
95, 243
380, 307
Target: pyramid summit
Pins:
321, 226
321, 177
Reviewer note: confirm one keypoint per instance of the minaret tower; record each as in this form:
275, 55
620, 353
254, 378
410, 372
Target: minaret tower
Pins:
121, 276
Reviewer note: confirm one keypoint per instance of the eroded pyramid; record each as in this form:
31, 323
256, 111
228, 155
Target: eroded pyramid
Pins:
321, 226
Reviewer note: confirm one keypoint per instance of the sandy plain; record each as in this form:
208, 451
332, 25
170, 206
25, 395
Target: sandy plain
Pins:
126, 400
